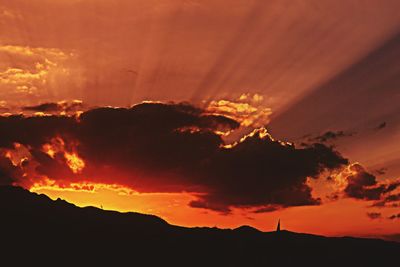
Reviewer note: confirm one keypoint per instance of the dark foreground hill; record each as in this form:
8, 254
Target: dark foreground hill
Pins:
39, 230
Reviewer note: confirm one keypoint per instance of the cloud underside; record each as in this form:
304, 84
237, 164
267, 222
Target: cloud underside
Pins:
363, 185
155, 147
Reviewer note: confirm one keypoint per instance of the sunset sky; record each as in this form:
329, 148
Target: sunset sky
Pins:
207, 112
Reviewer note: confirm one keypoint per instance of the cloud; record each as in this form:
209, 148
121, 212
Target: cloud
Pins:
265, 173
374, 215
394, 216
381, 171
56, 107
359, 185
381, 126
8, 172
156, 147
355, 182
33, 72
267, 208
363, 185
330, 136
392, 200
248, 109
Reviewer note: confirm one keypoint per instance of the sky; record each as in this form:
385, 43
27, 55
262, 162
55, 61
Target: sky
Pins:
207, 113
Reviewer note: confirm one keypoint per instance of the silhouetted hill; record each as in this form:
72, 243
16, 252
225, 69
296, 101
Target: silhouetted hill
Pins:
39, 230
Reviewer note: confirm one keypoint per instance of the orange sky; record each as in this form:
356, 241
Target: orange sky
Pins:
344, 217
299, 68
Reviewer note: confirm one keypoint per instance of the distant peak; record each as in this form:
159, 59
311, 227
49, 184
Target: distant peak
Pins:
247, 228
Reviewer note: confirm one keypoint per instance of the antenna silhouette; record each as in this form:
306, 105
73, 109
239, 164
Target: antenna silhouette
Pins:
278, 227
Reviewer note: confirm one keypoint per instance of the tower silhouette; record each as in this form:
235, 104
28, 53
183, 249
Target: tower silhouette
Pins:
278, 227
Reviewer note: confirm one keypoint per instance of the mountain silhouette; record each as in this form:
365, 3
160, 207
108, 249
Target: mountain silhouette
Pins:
39, 230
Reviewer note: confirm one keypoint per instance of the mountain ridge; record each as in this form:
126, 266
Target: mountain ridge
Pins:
37, 221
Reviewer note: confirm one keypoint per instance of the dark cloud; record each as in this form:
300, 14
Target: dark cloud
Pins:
363, 185
33, 131
264, 209
381, 171
374, 215
8, 172
52, 107
381, 126
330, 136
261, 172
155, 147
46, 107
390, 200
394, 216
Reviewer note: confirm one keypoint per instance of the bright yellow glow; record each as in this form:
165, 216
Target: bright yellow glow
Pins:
262, 133
340, 180
247, 110
89, 187
75, 163
48, 149
57, 145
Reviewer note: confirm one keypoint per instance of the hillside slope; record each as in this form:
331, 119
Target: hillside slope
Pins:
53, 232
